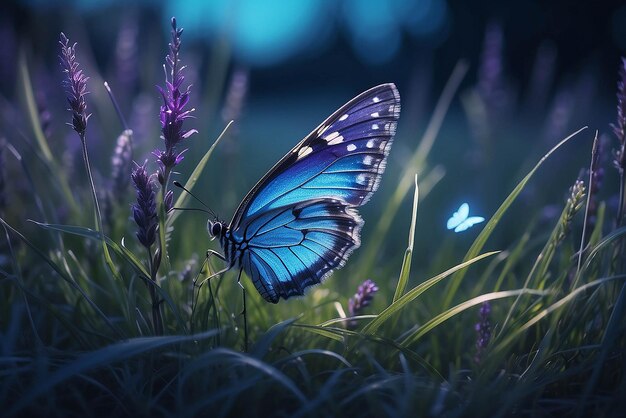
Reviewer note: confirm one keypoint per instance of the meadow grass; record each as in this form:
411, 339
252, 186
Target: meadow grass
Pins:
80, 334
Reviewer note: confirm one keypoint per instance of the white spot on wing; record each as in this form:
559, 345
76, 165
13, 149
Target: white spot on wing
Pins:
344, 117
336, 140
304, 151
368, 160
351, 147
374, 126
331, 136
362, 179
370, 143
376, 99
375, 115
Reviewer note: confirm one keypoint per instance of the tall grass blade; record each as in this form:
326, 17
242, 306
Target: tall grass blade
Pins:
450, 313
412, 294
416, 163
403, 280
511, 336
480, 241
193, 178
89, 233
42, 142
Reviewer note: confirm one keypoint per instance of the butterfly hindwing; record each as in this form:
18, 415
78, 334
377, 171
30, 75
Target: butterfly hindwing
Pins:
291, 248
299, 222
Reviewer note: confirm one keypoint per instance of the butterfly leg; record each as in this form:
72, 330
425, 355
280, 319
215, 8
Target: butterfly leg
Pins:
196, 287
243, 312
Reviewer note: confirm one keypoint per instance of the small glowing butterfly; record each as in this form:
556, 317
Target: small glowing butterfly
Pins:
459, 221
300, 221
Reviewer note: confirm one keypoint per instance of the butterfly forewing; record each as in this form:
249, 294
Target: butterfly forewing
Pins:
299, 222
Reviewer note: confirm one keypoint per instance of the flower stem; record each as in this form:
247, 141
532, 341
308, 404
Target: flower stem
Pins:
98, 215
157, 319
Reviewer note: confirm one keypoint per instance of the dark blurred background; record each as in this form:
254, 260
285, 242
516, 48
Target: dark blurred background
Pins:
537, 70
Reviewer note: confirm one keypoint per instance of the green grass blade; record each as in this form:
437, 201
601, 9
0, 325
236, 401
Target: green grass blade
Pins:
89, 233
63, 275
193, 178
450, 313
408, 297
403, 280
513, 334
33, 114
100, 358
416, 163
42, 142
480, 241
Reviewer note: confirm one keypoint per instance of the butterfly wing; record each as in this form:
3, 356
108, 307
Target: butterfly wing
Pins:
293, 247
299, 223
458, 217
469, 222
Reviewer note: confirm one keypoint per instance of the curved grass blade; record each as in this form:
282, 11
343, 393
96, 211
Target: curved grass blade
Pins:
42, 142
122, 251
403, 280
416, 162
100, 358
444, 316
556, 305
263, 344
64, 276
480, 241
339, 333
224, 356
193, 178
412, 294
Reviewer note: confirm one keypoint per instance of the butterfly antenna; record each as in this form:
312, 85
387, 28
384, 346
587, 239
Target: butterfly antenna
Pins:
177, 184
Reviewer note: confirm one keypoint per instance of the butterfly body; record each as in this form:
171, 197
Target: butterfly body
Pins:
460, 220
300, 222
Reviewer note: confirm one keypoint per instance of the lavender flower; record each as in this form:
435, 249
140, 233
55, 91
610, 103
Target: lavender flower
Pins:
144, 211
362, 298
173, 111
483, 330
75, 85
3, 183
619, 129
121, 163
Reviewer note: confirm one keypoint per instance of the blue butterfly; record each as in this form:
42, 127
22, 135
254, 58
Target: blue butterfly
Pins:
299, 222
459, 221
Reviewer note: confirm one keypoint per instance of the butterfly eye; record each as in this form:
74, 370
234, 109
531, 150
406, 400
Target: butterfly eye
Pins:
214, 228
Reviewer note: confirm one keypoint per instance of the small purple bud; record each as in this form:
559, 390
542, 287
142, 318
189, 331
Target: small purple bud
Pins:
362, 298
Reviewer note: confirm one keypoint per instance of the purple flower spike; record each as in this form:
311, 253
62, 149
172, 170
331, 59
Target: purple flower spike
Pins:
144, 211
362, 298
483, 330
75, 85
173, 113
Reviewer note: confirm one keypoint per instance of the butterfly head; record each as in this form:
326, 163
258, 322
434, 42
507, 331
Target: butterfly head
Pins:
216, 228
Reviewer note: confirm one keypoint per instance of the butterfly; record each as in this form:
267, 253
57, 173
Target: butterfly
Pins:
300, 222
459, 221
